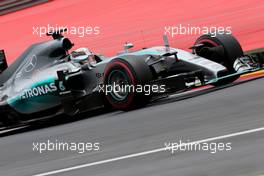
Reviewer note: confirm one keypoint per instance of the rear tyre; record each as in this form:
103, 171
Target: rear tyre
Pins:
10, 119
127, 73
223, 49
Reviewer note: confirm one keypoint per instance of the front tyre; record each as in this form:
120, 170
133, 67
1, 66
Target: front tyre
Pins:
122, 77
223, 49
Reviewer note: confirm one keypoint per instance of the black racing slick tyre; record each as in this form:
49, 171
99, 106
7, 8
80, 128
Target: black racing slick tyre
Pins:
10, 119
121, 79
221, 48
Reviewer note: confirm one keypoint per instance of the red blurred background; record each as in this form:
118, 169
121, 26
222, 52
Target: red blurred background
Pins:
136, 21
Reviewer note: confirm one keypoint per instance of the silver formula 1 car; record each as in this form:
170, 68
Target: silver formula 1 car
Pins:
47, 80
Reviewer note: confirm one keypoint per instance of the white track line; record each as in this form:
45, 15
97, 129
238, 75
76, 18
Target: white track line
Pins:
12, 129
148, 152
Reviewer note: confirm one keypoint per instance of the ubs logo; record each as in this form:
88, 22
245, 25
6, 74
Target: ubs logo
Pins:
99, 75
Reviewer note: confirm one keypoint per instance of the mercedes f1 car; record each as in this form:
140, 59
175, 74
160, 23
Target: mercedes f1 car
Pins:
47, 80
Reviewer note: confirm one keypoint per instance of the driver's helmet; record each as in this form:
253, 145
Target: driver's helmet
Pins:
82, 56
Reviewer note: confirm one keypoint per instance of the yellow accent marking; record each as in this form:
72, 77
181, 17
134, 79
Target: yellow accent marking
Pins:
254, 73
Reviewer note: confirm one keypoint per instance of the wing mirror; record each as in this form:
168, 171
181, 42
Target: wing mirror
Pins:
127, 46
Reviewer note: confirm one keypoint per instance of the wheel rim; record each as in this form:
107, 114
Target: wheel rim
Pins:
118, 80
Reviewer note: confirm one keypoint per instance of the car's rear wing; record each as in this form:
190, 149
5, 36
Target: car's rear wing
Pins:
3, 62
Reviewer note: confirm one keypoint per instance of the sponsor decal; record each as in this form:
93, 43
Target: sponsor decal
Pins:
38, 91
31, 64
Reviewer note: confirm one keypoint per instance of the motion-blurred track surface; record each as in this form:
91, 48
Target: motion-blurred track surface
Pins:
222, 112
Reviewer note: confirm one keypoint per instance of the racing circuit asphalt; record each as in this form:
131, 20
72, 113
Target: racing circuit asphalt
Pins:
223, 112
